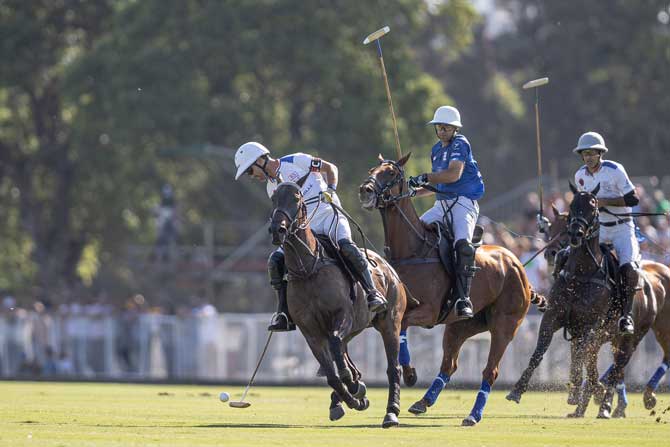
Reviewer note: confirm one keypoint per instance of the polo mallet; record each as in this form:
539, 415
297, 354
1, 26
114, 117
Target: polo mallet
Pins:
375, 37
536, 83
242, 403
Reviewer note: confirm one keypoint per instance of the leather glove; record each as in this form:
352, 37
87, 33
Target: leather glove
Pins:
418, 181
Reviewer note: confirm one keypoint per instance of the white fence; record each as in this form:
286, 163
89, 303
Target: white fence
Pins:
226, 348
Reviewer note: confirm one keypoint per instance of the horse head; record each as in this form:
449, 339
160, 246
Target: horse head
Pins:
384, 185
288, 210
557, 235
583, 217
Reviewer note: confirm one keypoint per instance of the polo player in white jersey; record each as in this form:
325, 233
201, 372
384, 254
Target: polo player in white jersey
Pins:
616, 196
254, 160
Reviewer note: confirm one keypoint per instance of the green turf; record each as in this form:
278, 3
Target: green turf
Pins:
73, 414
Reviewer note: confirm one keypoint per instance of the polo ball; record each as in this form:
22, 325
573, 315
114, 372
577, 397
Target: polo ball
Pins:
224, 397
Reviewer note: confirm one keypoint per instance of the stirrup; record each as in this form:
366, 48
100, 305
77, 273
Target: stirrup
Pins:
626, 325
376, 302
463, 308
281, 323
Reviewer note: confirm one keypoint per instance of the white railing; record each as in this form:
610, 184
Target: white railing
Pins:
226, 348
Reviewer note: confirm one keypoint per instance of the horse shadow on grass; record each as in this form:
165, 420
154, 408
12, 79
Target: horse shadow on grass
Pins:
302, 426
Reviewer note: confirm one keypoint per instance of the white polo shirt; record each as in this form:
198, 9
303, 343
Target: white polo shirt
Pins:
614, 182
294, 167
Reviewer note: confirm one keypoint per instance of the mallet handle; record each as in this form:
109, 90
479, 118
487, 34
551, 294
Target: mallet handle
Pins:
539, 149
390, 102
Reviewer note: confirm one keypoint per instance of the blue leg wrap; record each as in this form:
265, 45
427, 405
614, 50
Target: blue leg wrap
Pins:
658, 375
480, 402
403, 355
621, 391
435, 388
603, 378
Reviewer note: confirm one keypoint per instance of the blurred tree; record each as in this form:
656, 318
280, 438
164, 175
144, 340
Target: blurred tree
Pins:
103, 101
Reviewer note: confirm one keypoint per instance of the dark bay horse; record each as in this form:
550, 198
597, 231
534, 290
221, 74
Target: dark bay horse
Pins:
579, 302
321, 303
657, 273
501, 293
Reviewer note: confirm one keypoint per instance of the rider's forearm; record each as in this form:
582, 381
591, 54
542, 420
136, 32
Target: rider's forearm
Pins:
330, 174
423, 192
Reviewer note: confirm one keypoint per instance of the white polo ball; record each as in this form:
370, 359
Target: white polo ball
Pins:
224, 397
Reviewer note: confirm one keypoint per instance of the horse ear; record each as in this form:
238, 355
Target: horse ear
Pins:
573, 188
380, 158
302, 180
555, 210
596, 189
404, 159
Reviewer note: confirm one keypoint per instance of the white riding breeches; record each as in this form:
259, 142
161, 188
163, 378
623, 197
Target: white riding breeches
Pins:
328, 221
461, 212
622, 237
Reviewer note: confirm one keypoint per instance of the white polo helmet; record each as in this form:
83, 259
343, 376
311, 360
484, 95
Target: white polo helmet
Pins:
590, 140
447, 115
246, 155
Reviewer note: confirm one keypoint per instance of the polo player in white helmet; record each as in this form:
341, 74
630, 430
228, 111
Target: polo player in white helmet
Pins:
455, 174
616, 196
254, 160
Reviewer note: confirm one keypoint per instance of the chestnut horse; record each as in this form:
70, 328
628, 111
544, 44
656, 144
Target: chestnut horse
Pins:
661, 327
328, 313
590, 318
501, 293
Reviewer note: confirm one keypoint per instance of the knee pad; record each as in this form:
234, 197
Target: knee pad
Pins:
464, 248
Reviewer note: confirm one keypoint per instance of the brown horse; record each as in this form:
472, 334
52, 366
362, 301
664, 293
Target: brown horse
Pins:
661, 327
501, 293
328, 312
590, 318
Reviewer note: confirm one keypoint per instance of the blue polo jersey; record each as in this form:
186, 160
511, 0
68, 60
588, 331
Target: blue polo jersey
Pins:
471, 184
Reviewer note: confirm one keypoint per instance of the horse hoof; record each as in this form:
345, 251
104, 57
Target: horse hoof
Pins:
361, 391
649, 399
419, 407
619, 412
364, 404
336, 413
575, 415
469, 422
604, 414
409, 376
514, 396
598, 394
390, 420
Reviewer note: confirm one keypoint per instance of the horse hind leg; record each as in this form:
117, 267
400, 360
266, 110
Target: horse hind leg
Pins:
357, 387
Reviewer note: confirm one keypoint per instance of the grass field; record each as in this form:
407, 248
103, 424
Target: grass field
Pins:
73, 414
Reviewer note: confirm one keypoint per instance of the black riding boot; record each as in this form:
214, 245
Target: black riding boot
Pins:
465, 272
629, 278
281, 320
359, 266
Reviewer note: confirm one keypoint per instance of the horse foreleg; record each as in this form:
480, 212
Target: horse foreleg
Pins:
408, 372
321, 352
587, 351
550, 323
504, 328
454, 336
649, 392
390, 331
576, 373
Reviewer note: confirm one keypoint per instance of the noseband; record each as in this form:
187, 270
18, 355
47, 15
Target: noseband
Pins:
591, 227
383, 196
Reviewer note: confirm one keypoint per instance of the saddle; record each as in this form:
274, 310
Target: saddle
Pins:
329, 252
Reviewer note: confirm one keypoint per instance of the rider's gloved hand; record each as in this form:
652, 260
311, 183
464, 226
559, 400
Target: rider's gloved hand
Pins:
418, 181
543, 224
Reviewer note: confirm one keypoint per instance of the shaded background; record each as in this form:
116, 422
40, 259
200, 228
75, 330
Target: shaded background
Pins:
103, 104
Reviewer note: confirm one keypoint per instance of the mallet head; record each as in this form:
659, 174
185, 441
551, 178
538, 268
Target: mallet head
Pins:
536, 83
376, 35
